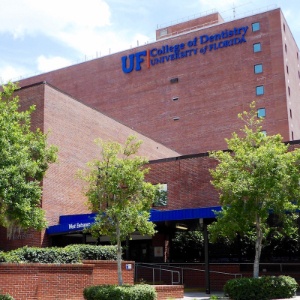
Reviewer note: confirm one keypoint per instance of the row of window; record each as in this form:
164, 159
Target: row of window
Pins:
258, 68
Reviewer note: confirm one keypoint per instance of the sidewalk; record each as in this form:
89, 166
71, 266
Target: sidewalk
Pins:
201, 295
204, 296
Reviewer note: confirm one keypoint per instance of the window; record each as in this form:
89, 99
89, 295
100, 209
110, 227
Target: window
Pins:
257, 47
287, 69
260, 90
176, 118
291, 114
258, 68
255, 26
163, 32
175, 98
174, 80
285, 47
289, 91
161, 197
292, 135
283, 27
264, 132
261, 112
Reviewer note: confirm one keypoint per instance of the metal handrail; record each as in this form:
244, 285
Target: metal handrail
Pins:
142, 265
198, 270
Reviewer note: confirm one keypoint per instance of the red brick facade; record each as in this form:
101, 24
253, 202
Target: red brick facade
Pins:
188, 181
57, 281
72, 127
212, 88
204, 21
67, 282
185, 105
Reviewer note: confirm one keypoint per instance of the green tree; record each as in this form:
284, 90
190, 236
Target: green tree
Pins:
118, 193
24, 159
256, 177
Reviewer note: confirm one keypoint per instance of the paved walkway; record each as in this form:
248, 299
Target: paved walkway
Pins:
201, 295
204, 296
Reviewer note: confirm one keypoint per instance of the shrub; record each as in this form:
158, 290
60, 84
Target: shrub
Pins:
90, 252
263, 288
67, 255
43, 255
6, 297
124, 292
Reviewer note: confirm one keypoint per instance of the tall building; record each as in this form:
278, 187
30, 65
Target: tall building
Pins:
185, 89
181, 94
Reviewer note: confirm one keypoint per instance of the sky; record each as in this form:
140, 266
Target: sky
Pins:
37, 36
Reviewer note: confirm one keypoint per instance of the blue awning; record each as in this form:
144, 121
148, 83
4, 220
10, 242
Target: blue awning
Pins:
184, 214
73, 223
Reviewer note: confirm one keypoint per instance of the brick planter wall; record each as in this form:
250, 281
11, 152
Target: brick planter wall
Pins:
105, 272
165, 292
58, 281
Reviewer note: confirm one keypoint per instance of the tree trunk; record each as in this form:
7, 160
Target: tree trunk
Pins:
258, 246
119, 254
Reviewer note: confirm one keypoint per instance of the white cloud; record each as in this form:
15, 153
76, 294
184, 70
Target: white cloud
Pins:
46, 64
55, 18
82, 25
10, 73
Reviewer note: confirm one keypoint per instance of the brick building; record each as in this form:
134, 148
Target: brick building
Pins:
181, 94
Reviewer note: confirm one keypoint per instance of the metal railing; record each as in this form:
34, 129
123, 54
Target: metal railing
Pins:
160, 269
169, 267
182, 269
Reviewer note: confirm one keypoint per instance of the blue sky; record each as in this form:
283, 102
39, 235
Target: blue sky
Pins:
37, 36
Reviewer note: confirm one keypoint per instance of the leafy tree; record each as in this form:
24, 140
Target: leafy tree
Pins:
187, 245
24, 159
118, 193
256, 177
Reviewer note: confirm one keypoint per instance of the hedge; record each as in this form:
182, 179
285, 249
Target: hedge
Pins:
124, 292
263, 288
67, 255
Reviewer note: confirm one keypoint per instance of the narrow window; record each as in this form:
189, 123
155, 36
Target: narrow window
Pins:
258, 68
255, 26
283, 27
161, 197
292, 135
257, 47
163, 32
260, 90
287, 69
289, 90
261, 112
291, 114
285, 47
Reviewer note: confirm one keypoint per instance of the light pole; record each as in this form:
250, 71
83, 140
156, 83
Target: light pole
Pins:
203, 227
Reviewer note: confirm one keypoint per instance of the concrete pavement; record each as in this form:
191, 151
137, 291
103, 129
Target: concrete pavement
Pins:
204, 296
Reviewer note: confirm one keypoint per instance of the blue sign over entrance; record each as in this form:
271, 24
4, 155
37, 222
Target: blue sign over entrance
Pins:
73, 223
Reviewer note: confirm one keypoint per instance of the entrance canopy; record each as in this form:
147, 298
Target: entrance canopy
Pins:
184, 214
73, 223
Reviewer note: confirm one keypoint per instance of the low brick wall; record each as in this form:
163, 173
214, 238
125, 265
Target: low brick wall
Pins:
165, 292
105, 272
59, 281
